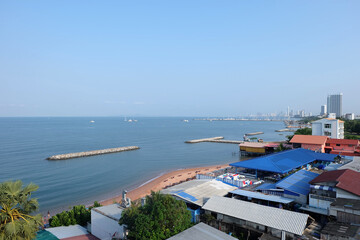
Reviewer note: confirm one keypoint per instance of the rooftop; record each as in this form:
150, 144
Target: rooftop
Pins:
267, 197
288, 221
298, 182
345, 179
346, 203
353, 165
343, 141
202, 231
112, 211
285, 161
341, 230
309, 139
70, 232
199, 191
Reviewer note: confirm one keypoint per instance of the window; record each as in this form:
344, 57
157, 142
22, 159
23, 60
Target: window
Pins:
327, 133
338, 145
327, 144
327, 125
350, 145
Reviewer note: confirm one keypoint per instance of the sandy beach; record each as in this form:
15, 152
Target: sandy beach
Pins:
164, 181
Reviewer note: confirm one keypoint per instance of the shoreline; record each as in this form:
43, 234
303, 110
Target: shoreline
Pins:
162, 181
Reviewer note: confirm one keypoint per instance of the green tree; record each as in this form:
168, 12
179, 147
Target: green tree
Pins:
16, 206
303, 131
160, 218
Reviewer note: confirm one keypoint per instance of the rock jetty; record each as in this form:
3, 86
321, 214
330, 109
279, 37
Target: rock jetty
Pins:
92, 153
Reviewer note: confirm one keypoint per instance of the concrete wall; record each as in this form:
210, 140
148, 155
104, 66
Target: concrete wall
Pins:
319, 202
344, 194
104, 227
314, 147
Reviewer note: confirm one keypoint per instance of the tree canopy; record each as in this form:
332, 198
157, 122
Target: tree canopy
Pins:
160, 218
16, 205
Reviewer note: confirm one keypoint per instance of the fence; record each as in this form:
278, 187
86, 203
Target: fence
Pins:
235, 183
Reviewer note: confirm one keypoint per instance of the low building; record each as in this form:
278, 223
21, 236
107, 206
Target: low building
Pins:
284, 162
257, 148
346, 210
202, 231
345, 147
310, 142
330, 127
72, 232
329, 186
354, 164
262, 219
338, 231
195, 193
105, 222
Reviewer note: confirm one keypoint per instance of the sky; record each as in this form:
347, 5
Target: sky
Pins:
177, 58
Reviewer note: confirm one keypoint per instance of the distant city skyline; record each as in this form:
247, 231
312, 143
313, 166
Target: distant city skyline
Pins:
177, 58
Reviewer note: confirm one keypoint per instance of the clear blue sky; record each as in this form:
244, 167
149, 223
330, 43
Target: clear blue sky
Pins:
176, 58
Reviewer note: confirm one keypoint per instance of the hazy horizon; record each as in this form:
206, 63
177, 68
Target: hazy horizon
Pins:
177, 58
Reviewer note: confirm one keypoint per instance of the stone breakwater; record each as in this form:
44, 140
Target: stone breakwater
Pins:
92, 153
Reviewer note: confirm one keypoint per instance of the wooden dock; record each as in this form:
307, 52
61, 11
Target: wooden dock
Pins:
92, 153
215, 140
285, 130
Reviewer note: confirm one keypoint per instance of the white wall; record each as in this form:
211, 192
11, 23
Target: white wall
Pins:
104, 227
344, 194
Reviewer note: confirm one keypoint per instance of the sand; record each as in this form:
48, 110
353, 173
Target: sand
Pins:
164, 181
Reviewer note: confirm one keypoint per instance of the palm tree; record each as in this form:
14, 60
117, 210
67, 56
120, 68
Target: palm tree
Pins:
16, 206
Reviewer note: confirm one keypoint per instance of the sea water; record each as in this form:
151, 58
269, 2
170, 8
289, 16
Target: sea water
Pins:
25, 143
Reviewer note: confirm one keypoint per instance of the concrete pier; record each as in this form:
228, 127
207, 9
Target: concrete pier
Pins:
214, 139
92, 153
204, 140
252, 134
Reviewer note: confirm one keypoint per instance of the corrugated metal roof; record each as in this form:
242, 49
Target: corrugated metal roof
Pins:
285, 220
202, 231
285, 161
199, 191
347, 179
298, 182
257, 195
113, 211
266, 186
309, 139
68, 231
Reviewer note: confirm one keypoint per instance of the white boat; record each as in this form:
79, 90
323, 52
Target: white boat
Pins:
185, 120
92, 121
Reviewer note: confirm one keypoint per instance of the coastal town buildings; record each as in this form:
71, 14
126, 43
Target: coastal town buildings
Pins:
334, 104
202, 231
323, 111
259, 219
350, 116
330, 127
345, 147
105, 222
331, 185
310, 142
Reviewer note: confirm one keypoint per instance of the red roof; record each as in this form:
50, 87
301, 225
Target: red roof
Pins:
309, 139
346, 179
343, 141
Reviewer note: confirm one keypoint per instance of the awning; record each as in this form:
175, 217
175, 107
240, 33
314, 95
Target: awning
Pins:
325, 188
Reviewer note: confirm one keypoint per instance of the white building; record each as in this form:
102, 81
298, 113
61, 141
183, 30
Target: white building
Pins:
330, 127
350, 116
323, 110
105, 222
334, 104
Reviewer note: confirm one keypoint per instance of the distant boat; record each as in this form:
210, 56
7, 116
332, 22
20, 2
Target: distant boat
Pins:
130, 120
185, 120
92, 121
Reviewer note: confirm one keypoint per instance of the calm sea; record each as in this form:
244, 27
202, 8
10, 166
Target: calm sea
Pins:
25, 143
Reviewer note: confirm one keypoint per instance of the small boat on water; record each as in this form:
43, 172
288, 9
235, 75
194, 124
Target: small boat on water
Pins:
185, 120
92, 121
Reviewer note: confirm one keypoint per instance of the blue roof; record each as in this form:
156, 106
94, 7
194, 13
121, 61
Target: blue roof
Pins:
257, 195
297, 182
266, 186
185, 195
285, 161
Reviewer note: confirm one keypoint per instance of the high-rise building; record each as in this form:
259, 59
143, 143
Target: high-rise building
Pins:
334, 104
323, 110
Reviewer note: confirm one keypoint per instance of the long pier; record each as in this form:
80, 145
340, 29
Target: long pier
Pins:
214, 139
92, 153
252, 134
